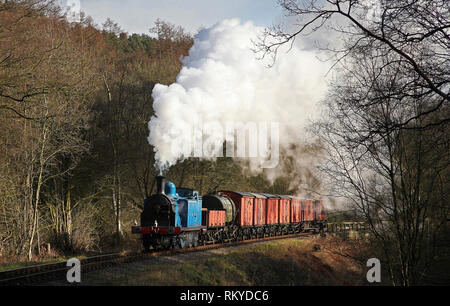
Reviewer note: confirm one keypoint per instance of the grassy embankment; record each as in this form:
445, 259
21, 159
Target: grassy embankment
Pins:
285, 262
15, 262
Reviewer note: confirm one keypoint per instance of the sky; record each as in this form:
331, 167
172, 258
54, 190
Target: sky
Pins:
137, 16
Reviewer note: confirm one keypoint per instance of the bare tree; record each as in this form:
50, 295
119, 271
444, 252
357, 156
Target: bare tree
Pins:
386, 121
395, 177
17, 88
44, 131
414, 34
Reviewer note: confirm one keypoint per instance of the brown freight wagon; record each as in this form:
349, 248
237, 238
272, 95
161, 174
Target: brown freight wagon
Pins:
244, 206
284, 207
320, 213
296, 210
307, 210
271, 208
259, 209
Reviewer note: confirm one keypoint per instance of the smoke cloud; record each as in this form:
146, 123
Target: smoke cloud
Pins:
222, 81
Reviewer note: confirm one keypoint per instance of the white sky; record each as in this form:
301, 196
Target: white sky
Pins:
137, 16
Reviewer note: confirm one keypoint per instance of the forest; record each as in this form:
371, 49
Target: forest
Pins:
76, 98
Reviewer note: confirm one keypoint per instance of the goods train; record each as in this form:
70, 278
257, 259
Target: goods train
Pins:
180, 217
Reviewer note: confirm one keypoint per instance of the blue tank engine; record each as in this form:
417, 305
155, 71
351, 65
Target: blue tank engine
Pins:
172, 217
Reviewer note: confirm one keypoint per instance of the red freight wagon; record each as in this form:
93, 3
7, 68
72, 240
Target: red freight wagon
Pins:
296, 210
259, 209
244, 206
214, 218
271, 208
320, 213
284, 209
307, 210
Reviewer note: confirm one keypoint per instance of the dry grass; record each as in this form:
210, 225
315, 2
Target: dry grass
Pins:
285, 262
8, 262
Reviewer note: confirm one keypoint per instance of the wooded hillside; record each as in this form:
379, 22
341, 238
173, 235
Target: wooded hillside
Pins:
75, 100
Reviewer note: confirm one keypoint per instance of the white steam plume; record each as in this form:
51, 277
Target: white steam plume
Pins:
223, 81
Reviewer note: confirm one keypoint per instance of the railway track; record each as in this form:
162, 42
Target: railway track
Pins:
57, 271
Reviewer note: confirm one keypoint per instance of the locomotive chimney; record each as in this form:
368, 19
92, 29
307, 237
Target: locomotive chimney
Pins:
160, 184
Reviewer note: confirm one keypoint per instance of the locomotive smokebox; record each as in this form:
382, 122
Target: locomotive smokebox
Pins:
160, 184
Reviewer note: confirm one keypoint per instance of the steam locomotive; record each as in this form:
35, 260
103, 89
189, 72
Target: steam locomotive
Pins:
180, 217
